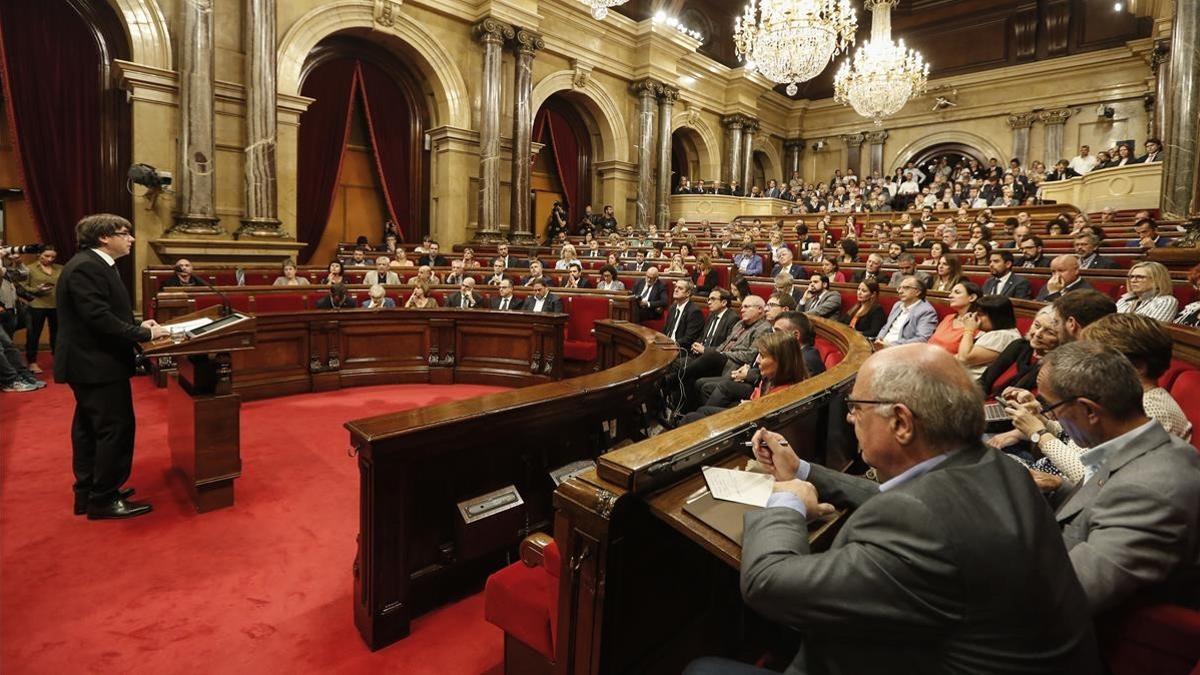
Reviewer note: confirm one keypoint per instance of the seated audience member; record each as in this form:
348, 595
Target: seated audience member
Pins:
1190, 315
456, 273
964, 300
998, 323
872, 271
1148, 237
947, 274
377, 298
337, 298
401, 259
651, 295
389, 244
505, 301
684, 320
981, 251
574, 277
566, 256
1080, 309
535, 273
1149, 285
432, 257
1133, 527
334, 274
1031, 252
1026, 355
465, 297
639, 263
676, 266
608, 280
737, 349
935, 561
833, 271
1153, 152
847, 251
1062, 171
894, 251
183, 275
740, 288
1086, 244
497, 273
289, 277
749, 263
912, 318
721, 320
936, 250
783, 259
382, 274
510, 261
906, 265
866, 316
705, 276
468, 259
1003, 280
358, 258
780, 365
420, 298
542, 300
1064, 278
425, 245
779, 303
820, 299
425, 276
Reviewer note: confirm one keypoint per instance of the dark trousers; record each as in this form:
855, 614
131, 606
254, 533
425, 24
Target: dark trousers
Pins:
102, 438
12, 368
728, 394
35, 319
708, 364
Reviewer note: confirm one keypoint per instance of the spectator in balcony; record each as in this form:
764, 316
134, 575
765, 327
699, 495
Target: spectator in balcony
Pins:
289, 277
1153, 152
333, 274
1084, 162
1149, 285
337, 298
377, 299
748, 263
382, 274
948, 273
425, 276
609, 281
1124, 156
1085, 247
1003, 280
1190, 315
1064, 278
420, 298
866, 316
183, 273
912, 318
1062, 171
1148, 236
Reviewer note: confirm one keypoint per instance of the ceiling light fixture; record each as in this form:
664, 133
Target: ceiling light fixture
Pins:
882, 75
791, 41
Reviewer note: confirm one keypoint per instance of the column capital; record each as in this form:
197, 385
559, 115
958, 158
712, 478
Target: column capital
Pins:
645, 88
1160, 54
667, 93
526, 41
492, 31
1056, 116
739, 121
1022, 120
791, 143
876, 137
854, 140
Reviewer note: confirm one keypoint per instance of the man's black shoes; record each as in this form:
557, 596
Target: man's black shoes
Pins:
120, 508
81, 500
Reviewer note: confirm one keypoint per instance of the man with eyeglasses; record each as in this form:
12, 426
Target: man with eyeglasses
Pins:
912, 318
97, 343
1031, 252
935, 560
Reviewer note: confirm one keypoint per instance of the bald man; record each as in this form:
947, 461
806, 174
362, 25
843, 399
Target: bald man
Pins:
1064, 278
933, 572
183, 275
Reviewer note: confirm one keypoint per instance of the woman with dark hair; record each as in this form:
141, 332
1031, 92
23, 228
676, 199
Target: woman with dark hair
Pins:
334, 273
949, 273
705, 277
740, 288
936, 250
848, 251
866, 316
998, 323
608, 280
964, 300
980, 252
780, 365
832, 271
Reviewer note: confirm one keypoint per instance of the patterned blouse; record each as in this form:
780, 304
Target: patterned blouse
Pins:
1161, 307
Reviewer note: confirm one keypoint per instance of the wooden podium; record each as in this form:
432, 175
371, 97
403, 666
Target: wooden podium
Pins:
204, 415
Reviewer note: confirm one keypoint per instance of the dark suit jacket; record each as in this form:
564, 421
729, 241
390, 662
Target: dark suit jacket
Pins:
1045, 295
97, 337
552, 304
514, 303
455, 300
658, 298
326, 302
1099, 262
439, 261
512, 261
882, 278
1043, 261
1017, 287
584, 282
710, 282
939, 570
691, 322
795, 269
728, 320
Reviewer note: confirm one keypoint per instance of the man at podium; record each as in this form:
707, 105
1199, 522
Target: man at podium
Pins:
96, 352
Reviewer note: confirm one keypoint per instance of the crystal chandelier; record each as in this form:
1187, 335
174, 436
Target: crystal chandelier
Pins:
600, 7
791, 41
882, 75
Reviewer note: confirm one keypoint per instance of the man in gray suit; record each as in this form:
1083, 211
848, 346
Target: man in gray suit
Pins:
382, 273
1132, 525
912, 319
932, 571
821, 300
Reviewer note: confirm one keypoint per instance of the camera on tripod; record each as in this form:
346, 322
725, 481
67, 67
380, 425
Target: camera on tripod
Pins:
23, 249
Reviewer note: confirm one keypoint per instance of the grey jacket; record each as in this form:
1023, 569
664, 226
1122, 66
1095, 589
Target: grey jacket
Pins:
742, 349
828, 304
959, 570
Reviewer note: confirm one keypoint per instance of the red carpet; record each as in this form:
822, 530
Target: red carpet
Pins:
262, 587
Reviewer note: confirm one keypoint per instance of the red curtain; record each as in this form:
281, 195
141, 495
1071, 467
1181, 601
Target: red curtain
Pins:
50, 68
324, 130
390, 125
551, 126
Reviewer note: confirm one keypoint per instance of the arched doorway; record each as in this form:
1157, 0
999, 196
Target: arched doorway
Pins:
951, 152
760, 171
368, 119
562, 170
686, 156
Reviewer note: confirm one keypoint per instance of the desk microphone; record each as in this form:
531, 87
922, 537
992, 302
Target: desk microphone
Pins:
226, 306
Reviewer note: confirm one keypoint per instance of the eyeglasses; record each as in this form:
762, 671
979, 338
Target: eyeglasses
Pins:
125, 233
772, 304
1138, 277
1048, 407
854, 404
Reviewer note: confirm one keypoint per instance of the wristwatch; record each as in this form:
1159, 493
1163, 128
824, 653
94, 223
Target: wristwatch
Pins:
1036, 436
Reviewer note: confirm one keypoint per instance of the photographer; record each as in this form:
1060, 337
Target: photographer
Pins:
557, 224
14, 274
43, 278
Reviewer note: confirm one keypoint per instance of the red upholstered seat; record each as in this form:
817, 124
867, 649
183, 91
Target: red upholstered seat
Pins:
523, 602
1023, 324
583, 312
830, 354
1186, 391
886, 301
281, 302
1112, 287
239, 301
1177, 366
762, 289
1155, 640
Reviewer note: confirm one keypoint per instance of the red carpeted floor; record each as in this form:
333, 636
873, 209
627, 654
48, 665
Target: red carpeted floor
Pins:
262, 587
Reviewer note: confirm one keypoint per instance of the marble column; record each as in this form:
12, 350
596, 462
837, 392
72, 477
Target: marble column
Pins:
262, 204
876, 139
1179, 187
730, 170
666, 103
1020, 123
525, 45
793, 150
746, 174
196, 178
1162, 88
491, 34
647, 93
1056, 122
854, 151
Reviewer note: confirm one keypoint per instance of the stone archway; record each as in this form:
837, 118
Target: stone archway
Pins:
598, 107
767, 155
907, 153
451, 102
698, 141
147, 31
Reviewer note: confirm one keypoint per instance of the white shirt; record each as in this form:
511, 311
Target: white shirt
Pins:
537, 303
505, 302
1082, 164
107, 258
897, 328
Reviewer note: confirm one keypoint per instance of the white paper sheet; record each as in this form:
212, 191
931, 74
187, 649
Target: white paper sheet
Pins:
743, 487
185, 326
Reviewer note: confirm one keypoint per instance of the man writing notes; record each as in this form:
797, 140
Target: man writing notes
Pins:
932, 571
97, 344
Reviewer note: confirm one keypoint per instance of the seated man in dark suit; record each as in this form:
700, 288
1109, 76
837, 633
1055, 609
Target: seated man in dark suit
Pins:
873, 271
465, 297
684, 320
1086, 244
337, 298
1003, 281
542, 300
1065, 278
721, 320
183, 275
506, 301
784, 263
736, 351
651, 296
1148, 237
1031, 252
535, 273
433, 258
931, 572
639, 263
574, 277
1153, 152
510, 261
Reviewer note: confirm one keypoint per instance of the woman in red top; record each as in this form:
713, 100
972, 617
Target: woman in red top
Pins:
780, 363
964, 300
832, 269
